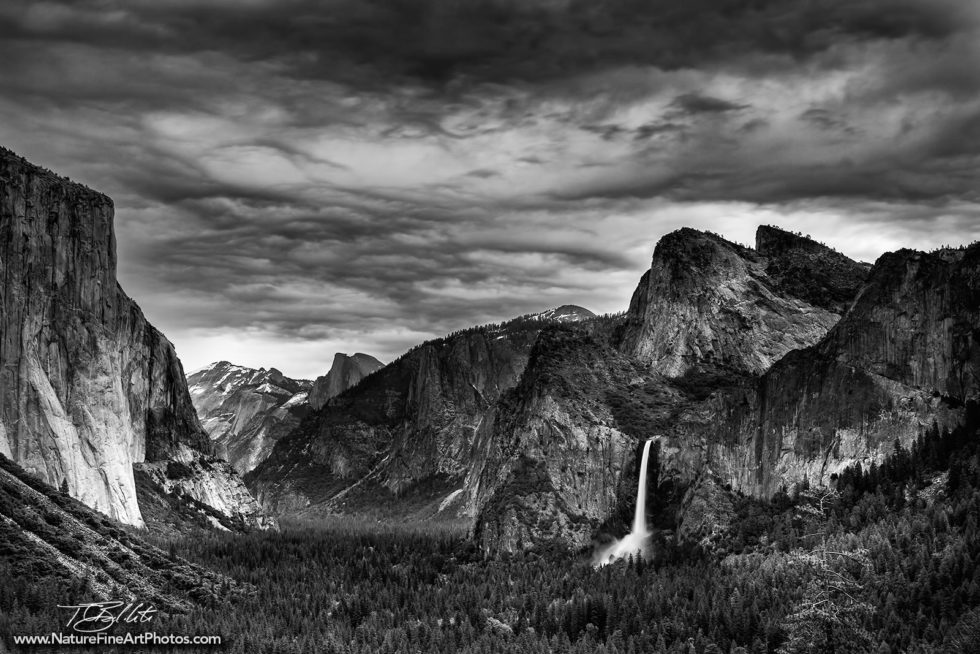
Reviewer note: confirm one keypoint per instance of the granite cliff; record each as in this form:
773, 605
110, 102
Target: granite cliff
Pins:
346, 371
706, 300
88, 388
549, 460
906, 355
753, 369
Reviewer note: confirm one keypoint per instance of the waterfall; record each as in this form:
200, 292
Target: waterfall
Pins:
633, 543
640, 515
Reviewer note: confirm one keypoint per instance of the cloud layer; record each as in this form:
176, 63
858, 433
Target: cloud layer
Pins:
294, 178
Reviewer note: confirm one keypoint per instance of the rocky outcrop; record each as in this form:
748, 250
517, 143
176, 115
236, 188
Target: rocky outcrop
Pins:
706, 300
402, 438
809, 270
245, 411
202, 490
345, 372
906, 355
87, 386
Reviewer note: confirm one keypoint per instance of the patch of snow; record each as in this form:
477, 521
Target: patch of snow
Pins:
297, 399
449, 500
207, 368
217, 523
272, 389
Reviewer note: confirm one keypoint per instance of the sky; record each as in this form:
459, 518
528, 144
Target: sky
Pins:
294, 178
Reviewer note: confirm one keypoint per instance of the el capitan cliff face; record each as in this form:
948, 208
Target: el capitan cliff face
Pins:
88, 387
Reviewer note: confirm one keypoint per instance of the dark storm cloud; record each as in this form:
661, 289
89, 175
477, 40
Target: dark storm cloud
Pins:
487, 39
648, 130
825, 119
283, 277
321, 169
695, 103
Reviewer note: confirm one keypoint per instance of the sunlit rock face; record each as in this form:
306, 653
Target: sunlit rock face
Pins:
195, 480
245, 411
345, 372
87, 386
706, 300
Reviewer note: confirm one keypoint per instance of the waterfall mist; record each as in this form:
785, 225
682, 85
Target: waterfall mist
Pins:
635, 542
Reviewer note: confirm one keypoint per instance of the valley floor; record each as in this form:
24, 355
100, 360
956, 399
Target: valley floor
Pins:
887, 562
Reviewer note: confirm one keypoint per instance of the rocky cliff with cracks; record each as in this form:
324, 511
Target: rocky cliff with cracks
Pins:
88, 387
905, 356
706, 300
549, 458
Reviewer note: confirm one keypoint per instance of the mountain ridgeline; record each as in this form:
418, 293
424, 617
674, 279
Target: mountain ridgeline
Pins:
92, 397
754, 369
400, 442
756, 374
246, 410
704, 322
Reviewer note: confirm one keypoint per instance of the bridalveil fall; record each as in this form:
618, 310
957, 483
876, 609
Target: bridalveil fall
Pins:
634, 542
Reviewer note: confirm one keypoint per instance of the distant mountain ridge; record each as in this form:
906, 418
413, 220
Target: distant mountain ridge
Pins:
245, 410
